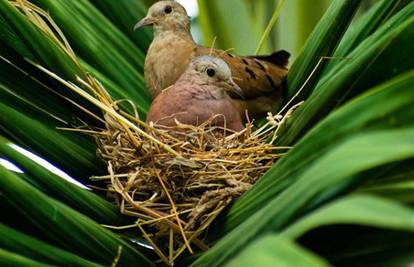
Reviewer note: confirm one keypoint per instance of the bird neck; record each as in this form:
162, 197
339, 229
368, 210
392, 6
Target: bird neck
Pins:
181, 32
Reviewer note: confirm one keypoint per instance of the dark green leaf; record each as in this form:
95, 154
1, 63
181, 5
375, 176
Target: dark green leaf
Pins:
388, 106
360, 210
321, 43
365, 26
272, 250
9, 259
38, 250
72, 195
68, 228
339, 165
371, 63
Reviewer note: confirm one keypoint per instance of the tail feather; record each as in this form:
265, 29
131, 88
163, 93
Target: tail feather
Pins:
279, 58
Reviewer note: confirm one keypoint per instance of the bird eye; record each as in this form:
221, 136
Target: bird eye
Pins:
168, 9
211, 72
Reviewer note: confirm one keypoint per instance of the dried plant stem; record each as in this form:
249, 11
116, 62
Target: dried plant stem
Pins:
154, 246
105, 108
152, 213
174, 210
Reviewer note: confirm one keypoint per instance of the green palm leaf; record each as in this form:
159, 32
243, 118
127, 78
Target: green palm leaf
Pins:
321, 43
272, 250
385, 107
9, 259
66, 227
351, 161
356, 154
78, 198
38, 250
362, 71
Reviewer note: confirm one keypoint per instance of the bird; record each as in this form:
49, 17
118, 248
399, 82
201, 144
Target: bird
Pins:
262, 78
199, 95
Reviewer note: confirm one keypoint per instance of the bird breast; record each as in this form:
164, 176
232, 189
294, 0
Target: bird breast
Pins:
167, 58
179, 104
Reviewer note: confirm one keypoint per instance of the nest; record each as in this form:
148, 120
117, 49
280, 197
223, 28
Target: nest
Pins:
176, 181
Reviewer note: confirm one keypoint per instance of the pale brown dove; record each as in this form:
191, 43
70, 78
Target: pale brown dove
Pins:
262, 78
200, 94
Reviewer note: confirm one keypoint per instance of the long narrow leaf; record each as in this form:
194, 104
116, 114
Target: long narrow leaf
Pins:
32, 39
361, 210
272, 250
25, 245
30, 42
365, 26
371, 63
321, 43
125, 14
385, 107
68, 228
338, 166
101, 44
9, 259
80, 159
72, 195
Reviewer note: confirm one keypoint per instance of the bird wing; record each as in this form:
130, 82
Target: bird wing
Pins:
257, 76
279, 58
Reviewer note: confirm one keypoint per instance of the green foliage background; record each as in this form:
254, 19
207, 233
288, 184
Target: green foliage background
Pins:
342, 196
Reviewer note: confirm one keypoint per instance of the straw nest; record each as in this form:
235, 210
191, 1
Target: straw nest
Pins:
176, 181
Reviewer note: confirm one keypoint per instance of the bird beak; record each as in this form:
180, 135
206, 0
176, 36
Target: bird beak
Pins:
147, 21
236, 89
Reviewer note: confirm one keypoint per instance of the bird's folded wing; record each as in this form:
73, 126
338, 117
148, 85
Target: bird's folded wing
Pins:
257, 76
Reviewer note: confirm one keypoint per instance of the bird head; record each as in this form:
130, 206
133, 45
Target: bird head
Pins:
215, 71
166, 16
